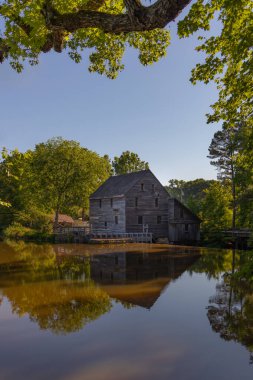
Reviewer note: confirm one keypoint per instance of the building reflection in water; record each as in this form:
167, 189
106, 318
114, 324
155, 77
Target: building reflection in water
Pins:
136, 277
63, 289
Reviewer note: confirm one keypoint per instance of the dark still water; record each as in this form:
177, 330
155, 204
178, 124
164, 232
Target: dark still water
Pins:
135, 312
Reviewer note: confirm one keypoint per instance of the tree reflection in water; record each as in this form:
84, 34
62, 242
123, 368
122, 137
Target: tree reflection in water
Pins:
59, 306
63, 291
56, 292
230, 310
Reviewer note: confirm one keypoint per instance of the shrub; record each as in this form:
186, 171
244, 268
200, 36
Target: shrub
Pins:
36, 220
16, 231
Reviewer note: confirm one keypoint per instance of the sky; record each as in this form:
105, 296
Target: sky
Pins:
154, 111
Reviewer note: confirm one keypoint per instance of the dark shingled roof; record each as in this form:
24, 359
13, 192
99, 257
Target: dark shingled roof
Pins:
118, 185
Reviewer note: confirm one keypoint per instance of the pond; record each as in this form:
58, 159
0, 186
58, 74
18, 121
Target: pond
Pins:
126, 312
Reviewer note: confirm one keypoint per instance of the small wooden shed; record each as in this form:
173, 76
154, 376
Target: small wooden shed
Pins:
64, 221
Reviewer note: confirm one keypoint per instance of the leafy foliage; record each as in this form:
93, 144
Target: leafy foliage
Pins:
27, 33
58, 176
229, 56
223, 152
216, 212
66, 173
190, 193
128, 162
43, 290
211, 200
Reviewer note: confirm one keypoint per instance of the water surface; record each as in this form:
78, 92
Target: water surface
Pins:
126, 312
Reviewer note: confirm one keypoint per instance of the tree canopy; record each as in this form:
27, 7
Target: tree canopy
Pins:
229, 56
223, 152
105, 26
57, 176
128, 162
66, 173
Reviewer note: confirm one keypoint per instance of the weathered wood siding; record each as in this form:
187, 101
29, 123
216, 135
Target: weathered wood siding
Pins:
145, 191
183, 225
102, 219
137, 202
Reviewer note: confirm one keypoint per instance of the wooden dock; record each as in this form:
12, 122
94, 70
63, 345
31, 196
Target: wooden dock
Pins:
71, 235
239, 238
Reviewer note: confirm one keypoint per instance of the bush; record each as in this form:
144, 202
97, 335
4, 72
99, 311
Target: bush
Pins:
35, 220
17, 231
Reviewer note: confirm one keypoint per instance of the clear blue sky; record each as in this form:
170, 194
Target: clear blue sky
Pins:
154, 111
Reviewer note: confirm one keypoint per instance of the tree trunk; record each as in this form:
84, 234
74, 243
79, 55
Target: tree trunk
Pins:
234, 199
230, 286
83, 214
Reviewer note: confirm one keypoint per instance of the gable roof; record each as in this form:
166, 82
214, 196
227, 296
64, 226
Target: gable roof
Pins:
119, 184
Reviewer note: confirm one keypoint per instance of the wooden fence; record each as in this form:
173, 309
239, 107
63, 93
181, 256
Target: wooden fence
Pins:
144, 237
81, 235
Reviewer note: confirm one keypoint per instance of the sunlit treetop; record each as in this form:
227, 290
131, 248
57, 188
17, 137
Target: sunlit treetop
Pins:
107, 27
229, 56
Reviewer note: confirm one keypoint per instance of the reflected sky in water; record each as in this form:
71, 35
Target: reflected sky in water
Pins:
123, 312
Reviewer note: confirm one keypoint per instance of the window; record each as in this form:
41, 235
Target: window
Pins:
156, 202
140, 219
186, 227
100, 203
159, 219
105, 224
153, 188
116, 219
181, 213
111, 202
142, 187
136, 202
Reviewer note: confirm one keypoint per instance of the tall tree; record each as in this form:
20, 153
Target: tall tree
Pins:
128, 162
244, 177
14, 184
66, 173
216, 212
223, 152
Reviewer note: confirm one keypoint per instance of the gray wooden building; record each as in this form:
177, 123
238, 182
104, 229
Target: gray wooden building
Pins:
138, 202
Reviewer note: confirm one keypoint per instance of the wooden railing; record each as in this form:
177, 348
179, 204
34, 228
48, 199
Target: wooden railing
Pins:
246, 233
144, 237
80, 234
73, 230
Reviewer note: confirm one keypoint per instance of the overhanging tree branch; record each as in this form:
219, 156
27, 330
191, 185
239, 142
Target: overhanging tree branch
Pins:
137, 18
